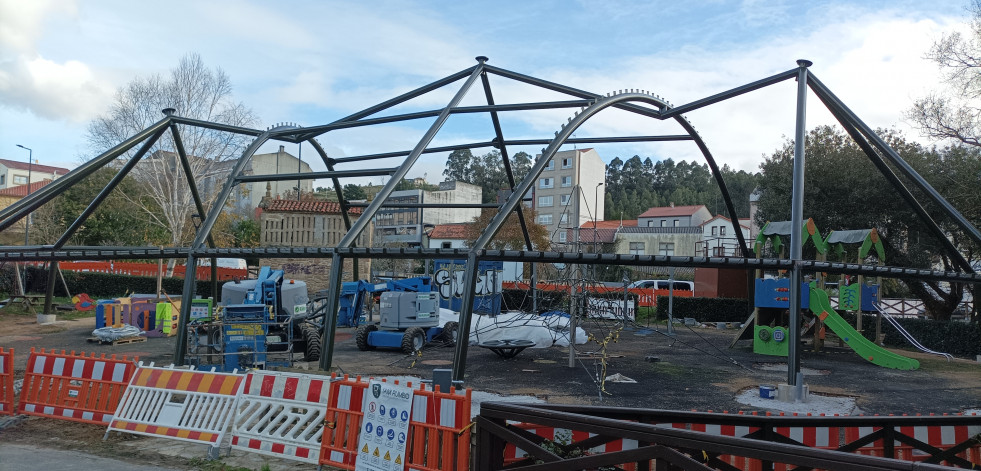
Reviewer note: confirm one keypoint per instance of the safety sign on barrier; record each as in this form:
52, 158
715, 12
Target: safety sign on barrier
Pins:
188, 405
385, 427
74, 387
438, 437
6, 381
281, 414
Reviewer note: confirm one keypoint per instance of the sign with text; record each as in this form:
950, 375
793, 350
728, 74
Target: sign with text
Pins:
609, 308
387, 409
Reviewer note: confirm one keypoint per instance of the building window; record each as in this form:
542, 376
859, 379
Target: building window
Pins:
664, 223
636, 248
715, 230
650, 223
665, 248
544, 219
3, 179
446, 245
546, 183
722, 230
544, 201
564, 200
550, 165
564, 218
20, 179
566, 181
563, 237
676, 223
567, 163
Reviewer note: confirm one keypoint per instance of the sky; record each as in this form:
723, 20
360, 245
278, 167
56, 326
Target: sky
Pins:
312, 62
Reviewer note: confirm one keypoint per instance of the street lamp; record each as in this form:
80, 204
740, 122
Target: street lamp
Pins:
595, 213
30, 166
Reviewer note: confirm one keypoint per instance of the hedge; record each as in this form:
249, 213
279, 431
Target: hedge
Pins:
705, 309
99, 285
956, 338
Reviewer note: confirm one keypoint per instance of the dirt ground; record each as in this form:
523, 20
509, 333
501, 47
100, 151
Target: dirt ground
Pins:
694, 370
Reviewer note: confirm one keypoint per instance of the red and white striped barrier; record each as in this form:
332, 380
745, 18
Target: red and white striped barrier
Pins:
281, 414
6, 381
188, 405
439, 428
942, 437
74, 387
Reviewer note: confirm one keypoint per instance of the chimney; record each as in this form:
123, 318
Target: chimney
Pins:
282, 148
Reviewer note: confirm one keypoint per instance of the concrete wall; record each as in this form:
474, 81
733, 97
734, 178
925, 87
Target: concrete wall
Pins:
684, 243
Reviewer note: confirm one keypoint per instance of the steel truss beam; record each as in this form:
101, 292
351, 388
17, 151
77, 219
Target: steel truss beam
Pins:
315, 175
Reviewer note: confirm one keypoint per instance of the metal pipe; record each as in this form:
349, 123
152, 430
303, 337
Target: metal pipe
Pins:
466, 311
766, 82
430, 205
330, 315
796, 216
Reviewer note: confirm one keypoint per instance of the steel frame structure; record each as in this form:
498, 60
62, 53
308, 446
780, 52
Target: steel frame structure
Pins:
588, 105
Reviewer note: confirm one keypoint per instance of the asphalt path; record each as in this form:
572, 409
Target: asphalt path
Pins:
19, 457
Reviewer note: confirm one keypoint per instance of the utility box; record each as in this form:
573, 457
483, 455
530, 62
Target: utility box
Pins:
402, 310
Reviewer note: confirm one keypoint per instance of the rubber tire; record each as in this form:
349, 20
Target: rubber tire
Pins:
413, 340
312, 342
361, 338
450, 333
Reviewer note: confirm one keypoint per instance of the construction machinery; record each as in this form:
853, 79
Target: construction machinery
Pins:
260, 323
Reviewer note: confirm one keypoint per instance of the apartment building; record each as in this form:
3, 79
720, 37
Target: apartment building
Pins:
14, 173
569, 193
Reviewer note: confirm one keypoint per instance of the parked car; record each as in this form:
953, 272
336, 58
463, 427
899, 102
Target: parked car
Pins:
663, 284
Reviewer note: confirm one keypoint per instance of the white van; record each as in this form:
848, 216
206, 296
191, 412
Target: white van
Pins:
663, 285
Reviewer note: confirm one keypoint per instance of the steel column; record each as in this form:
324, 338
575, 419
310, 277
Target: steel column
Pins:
466, 314
330, 315
796, 216
204, 231
898, 161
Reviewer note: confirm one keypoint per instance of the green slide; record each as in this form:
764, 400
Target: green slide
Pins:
862, 346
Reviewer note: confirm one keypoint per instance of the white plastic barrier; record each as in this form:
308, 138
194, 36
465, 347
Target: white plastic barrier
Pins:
188, 405
281, 414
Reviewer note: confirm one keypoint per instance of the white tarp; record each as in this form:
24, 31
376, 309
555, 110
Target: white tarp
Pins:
545, 331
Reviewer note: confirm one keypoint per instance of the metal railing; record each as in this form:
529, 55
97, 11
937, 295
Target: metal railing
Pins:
673, 448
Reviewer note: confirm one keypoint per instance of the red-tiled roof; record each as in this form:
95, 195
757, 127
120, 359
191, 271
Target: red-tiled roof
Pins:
668, 211
20, 191
327, 207
34, 168
599, 236
449, 231
610, 224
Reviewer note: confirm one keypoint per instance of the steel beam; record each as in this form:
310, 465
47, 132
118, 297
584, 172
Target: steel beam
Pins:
504, 154
466, 315
894, 158
734, 218
216, 126
766, 82
429, 205
25, 206
892, 178
115, 181
278, 177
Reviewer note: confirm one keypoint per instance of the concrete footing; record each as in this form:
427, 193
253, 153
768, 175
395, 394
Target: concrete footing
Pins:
788, 393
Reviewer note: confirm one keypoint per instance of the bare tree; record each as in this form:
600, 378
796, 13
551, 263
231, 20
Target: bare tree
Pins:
955, 112
195, 91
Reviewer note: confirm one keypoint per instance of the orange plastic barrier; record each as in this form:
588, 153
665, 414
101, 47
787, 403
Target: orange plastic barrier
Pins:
74, 387
646, 297
439, 429
6, 381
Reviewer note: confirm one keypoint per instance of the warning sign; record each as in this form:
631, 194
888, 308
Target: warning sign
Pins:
387, 408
